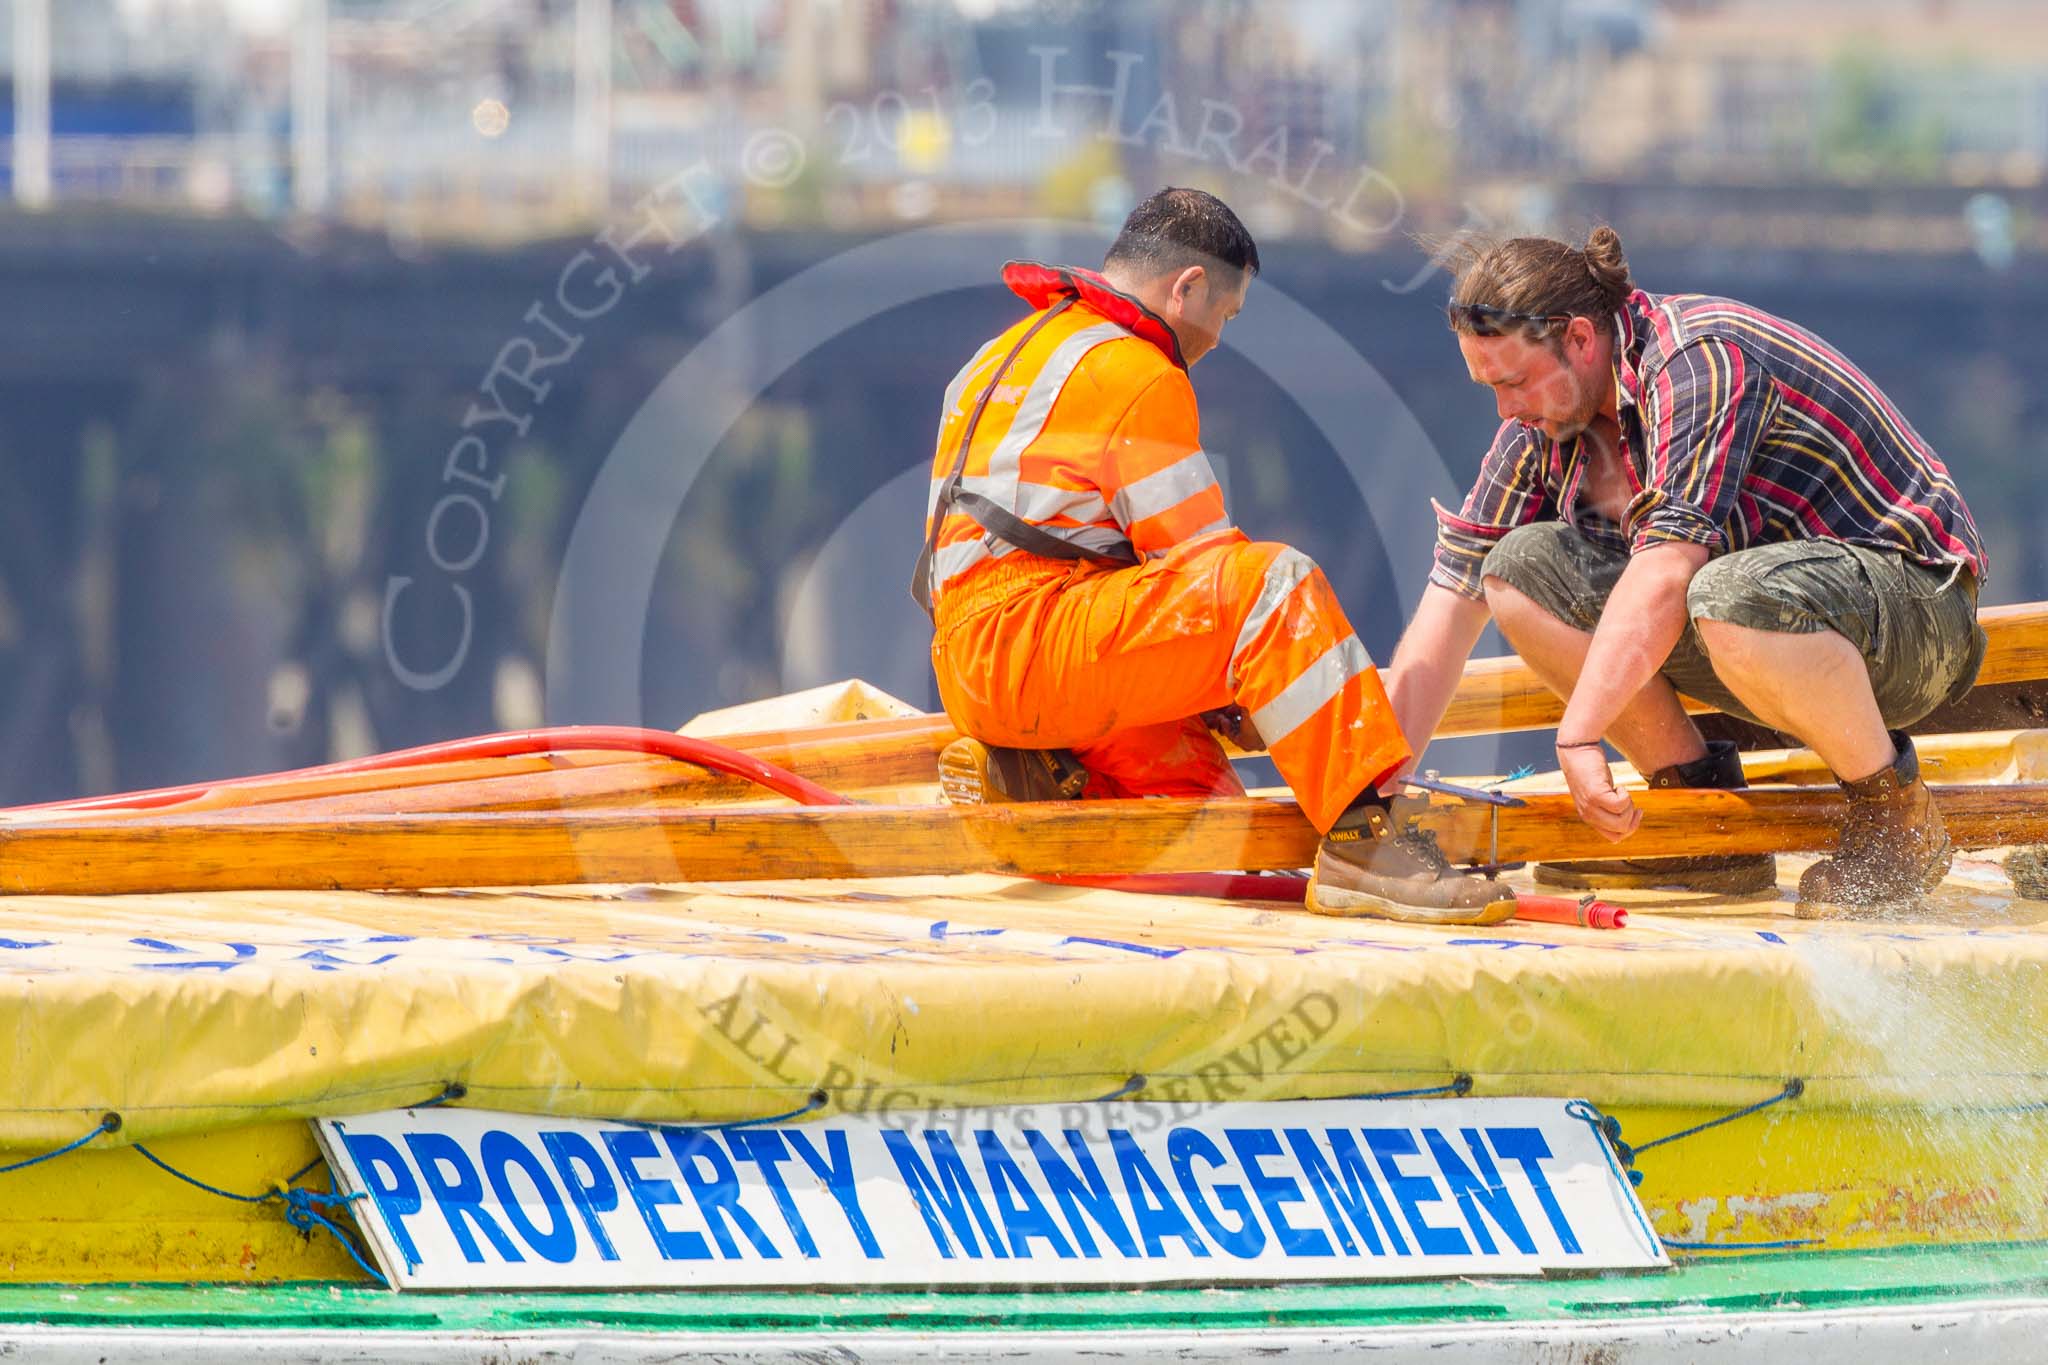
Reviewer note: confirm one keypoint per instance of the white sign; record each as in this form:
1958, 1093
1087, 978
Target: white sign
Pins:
1082, 1194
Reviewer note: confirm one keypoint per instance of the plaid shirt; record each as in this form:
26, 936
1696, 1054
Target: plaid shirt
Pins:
1737, 429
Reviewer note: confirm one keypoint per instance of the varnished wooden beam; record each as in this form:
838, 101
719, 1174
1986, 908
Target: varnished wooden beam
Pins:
252, 850
1497, 695
1504, 694
1988, 756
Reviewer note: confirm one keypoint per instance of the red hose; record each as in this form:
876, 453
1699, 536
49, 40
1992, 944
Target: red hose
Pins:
704, 753
1587, 912
1223, 886
510, 744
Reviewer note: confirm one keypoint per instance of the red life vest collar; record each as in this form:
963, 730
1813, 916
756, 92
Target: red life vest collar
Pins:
1041, 286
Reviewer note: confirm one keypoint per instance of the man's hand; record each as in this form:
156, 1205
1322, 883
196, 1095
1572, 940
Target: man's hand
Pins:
1600, 803
1234, 723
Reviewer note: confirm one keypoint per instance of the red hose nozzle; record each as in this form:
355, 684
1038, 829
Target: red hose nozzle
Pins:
1587, 912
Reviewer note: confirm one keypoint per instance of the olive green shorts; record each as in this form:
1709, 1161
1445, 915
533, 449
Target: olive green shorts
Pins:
1915, 626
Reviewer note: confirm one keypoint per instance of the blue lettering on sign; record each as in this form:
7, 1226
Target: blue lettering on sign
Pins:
1359, 1191
500, 1150
835, 1168
1526, 1147
1080, 1188
593, 1191
1156, 1213
1247, 1239
1274, 1192
952, 1189
1483, 1190
396, 1199
766, 1149
1413, 1191
651, 1195
1023, 1213
460, 1197
717, 1192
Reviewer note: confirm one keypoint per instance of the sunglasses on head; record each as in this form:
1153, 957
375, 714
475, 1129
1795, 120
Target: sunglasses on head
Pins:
1484, 320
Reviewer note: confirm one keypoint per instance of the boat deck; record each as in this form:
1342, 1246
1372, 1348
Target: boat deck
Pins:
214, 1025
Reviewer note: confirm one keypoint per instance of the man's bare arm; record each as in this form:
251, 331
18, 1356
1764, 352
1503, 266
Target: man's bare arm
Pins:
1428, 664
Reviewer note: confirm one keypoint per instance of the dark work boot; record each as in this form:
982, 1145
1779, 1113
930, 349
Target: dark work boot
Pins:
972, 774
1725, 874
1371, 865
1894, 843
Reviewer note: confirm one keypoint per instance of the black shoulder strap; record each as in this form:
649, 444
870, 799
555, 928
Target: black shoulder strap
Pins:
1007, 525
921, 576
998, 521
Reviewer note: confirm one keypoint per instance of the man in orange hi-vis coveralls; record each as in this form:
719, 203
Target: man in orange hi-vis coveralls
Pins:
1091, 599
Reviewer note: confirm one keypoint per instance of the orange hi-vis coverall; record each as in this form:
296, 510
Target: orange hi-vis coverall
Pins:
1142, 606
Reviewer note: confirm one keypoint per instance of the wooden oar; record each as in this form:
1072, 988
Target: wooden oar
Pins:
1497, 695
1987, 756
1504, 694
253, 850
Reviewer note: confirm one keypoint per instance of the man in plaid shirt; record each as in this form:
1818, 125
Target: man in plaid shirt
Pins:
1690, 495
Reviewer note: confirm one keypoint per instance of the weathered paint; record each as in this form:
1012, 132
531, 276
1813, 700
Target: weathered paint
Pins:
102, 1215
1862, 1308
1846, 1180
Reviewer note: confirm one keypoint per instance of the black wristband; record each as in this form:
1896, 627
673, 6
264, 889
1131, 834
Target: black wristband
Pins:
1582, 744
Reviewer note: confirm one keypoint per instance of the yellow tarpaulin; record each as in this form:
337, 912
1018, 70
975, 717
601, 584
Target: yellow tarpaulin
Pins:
191, 1014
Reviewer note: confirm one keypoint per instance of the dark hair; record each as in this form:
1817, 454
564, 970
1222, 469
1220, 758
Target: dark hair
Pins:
1177, 228
1539, 277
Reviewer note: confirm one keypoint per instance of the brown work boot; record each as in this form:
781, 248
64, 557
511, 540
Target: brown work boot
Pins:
1723, 874
972, 774
1894, 842
1367, 866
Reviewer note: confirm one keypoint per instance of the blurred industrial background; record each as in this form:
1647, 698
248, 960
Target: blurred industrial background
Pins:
281, 483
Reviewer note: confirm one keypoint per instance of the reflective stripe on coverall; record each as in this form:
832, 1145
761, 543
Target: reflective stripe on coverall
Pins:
1093, 433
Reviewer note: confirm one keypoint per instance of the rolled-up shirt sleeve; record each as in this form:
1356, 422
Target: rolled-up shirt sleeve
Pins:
1509, 492
1704, 413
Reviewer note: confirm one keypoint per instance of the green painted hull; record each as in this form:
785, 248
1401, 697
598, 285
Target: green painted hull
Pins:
1716, 1286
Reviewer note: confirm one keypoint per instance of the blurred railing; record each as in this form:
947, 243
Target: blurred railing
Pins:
208, 173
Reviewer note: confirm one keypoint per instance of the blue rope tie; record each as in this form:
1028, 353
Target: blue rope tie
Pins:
1600, 1124
1622, 1158
818, 1100
301, 1207
1742, 1246
1129, 1087
1794, 1088
108, 1123
1460, 1085
301, 1212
